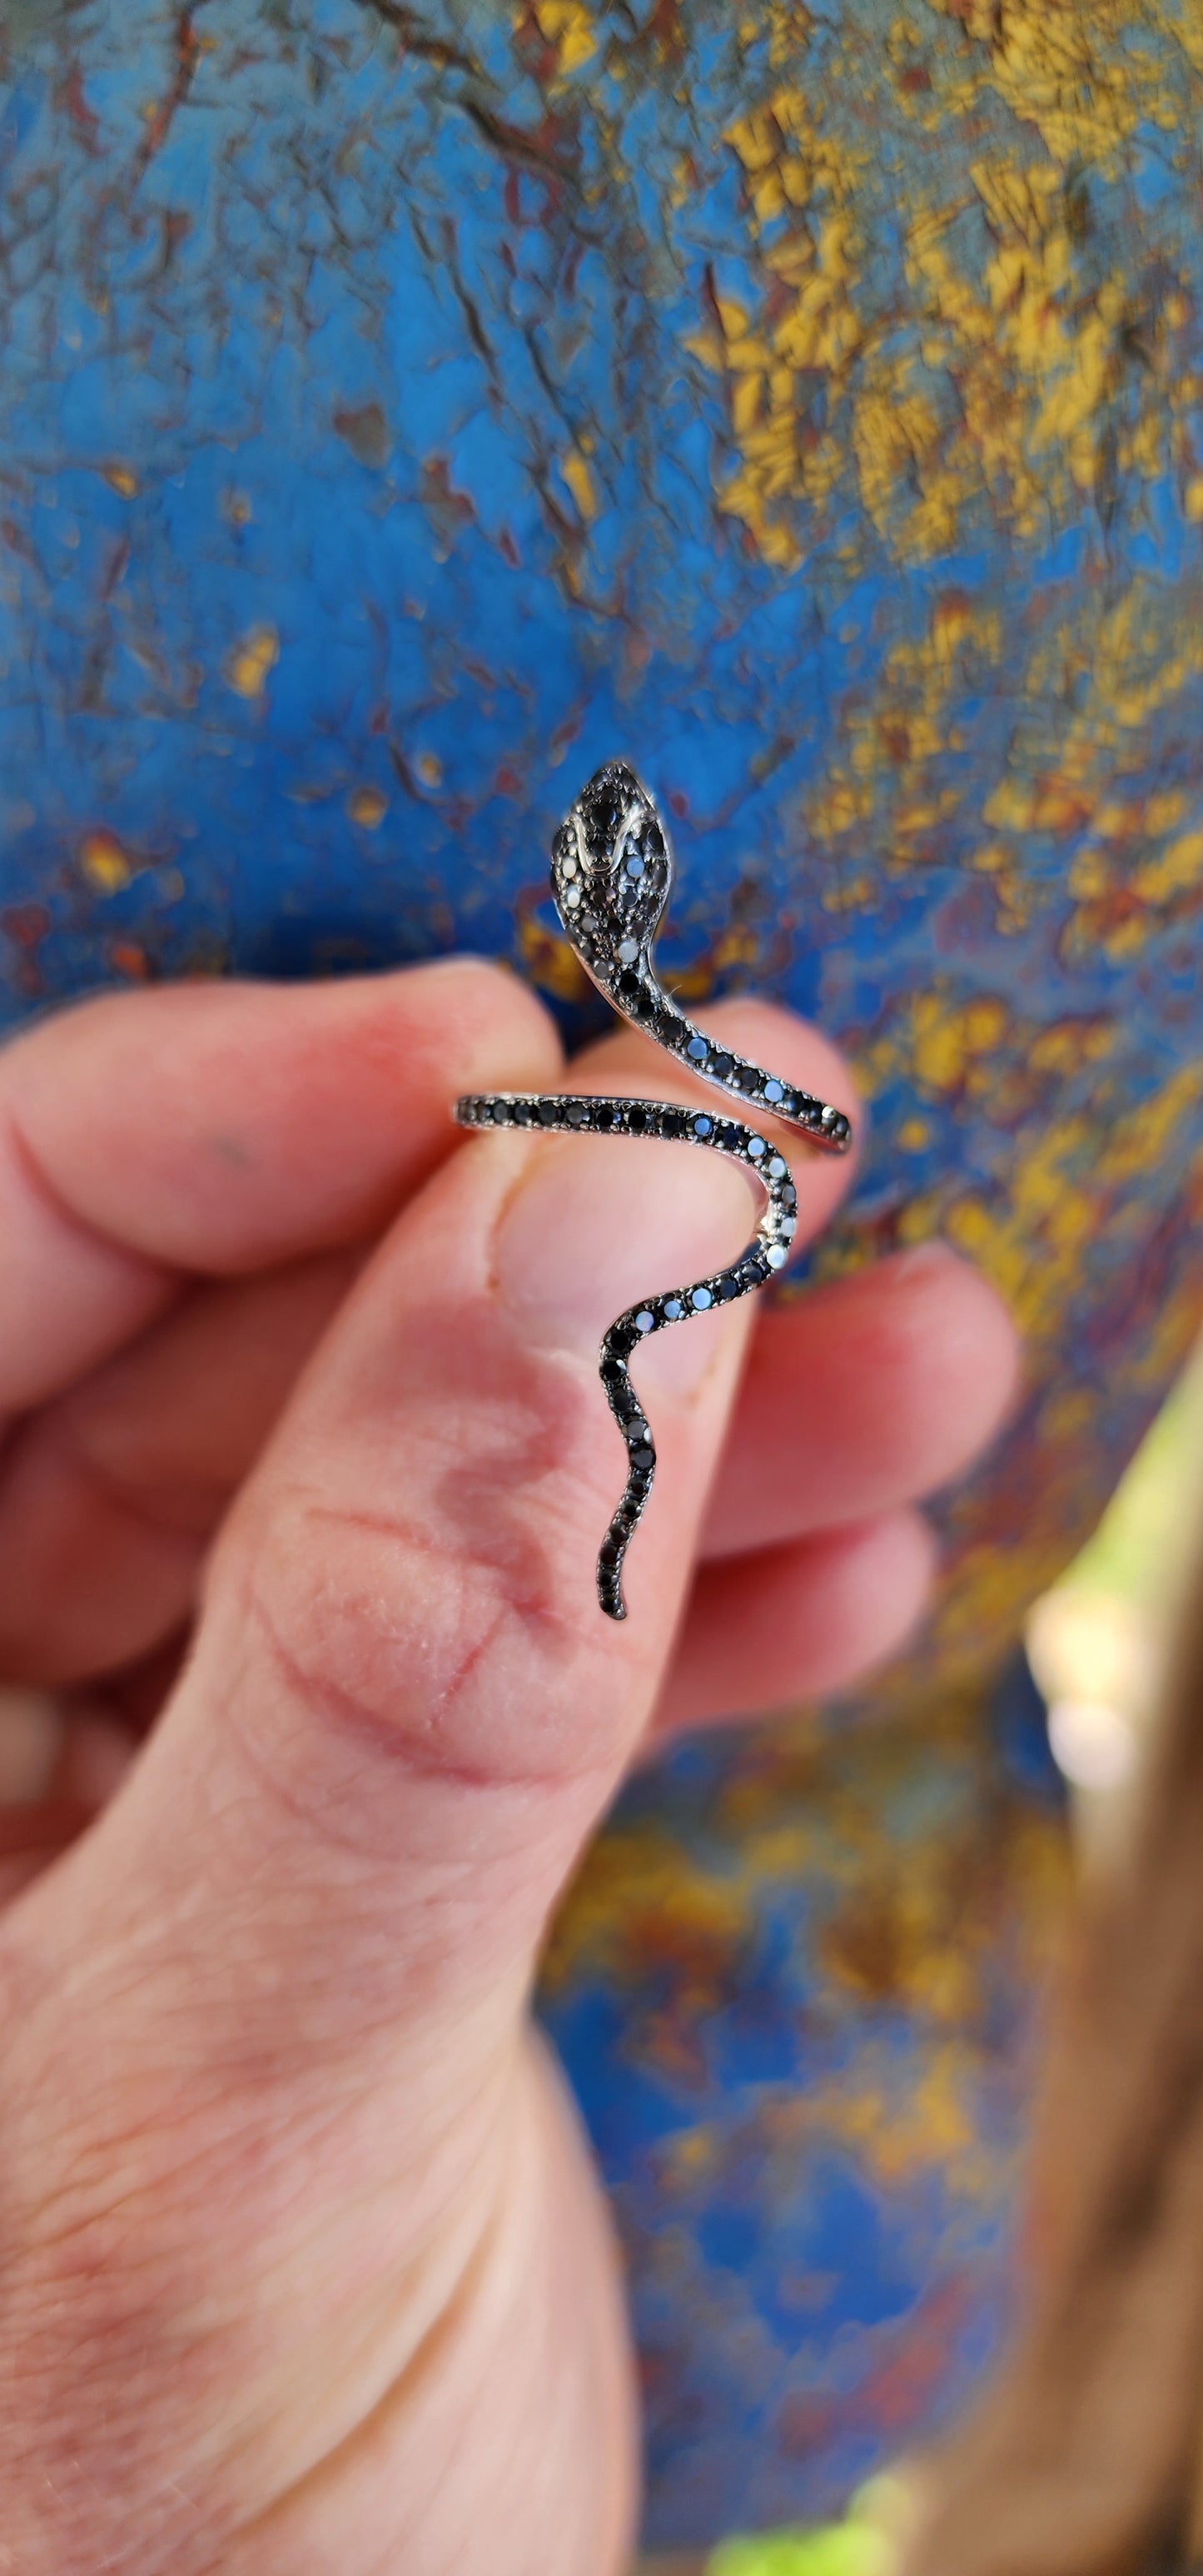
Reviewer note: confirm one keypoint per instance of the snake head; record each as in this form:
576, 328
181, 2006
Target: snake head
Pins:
611, 870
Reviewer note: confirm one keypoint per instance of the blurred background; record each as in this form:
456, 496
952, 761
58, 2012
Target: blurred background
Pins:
1096, 1646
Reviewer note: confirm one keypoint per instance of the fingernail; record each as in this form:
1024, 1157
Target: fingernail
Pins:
599, 1223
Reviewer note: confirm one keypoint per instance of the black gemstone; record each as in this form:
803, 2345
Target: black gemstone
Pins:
609, 1552
723, 1066
549, 1113
788, 1195
755, 1270
673, 1123
577, 1113
749, 1078
636, 1120
728, 1288
626, 1405
643, 1456
612, 1372
604, 1116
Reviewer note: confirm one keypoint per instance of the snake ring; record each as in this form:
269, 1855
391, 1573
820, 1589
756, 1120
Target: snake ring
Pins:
611, 872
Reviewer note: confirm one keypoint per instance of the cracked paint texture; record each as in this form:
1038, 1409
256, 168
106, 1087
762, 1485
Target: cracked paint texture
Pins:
401, 409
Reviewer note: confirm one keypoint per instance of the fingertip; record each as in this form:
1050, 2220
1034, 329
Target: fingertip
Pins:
799, 1622
220, 1126
934, 1298
867, 1392
491, 1007
875, 1582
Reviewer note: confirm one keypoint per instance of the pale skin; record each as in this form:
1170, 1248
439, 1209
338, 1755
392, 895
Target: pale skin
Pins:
304, 2270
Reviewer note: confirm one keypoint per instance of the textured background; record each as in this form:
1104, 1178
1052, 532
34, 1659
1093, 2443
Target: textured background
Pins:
402, 409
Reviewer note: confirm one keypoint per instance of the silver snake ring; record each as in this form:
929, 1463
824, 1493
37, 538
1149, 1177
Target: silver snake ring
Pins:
611, 872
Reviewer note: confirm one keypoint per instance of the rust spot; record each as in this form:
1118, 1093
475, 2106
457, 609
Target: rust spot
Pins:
25, 924
84, 118
366, 432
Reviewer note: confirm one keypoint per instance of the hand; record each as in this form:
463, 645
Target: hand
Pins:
304, 2266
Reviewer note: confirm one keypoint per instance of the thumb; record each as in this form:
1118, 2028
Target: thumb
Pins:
405, 1708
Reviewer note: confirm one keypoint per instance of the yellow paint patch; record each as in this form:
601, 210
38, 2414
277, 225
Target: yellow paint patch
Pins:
948, 1038
248, 662
367, 807
120, 478
578, 475
1176, 871
567, 25
104, 862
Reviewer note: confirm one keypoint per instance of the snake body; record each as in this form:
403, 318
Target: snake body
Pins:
611, 873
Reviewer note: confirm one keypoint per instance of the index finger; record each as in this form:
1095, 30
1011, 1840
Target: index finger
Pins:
212, 1128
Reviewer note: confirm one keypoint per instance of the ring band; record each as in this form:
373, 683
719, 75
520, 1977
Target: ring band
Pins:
611, 875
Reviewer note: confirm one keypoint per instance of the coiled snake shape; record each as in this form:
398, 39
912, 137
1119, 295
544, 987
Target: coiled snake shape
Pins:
610, 874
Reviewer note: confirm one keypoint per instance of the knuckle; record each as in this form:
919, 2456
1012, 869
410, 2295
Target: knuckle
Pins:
436, 1627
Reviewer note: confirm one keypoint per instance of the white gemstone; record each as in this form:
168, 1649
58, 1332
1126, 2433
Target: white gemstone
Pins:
572, 897
568, 866
628, 950
774, 1254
